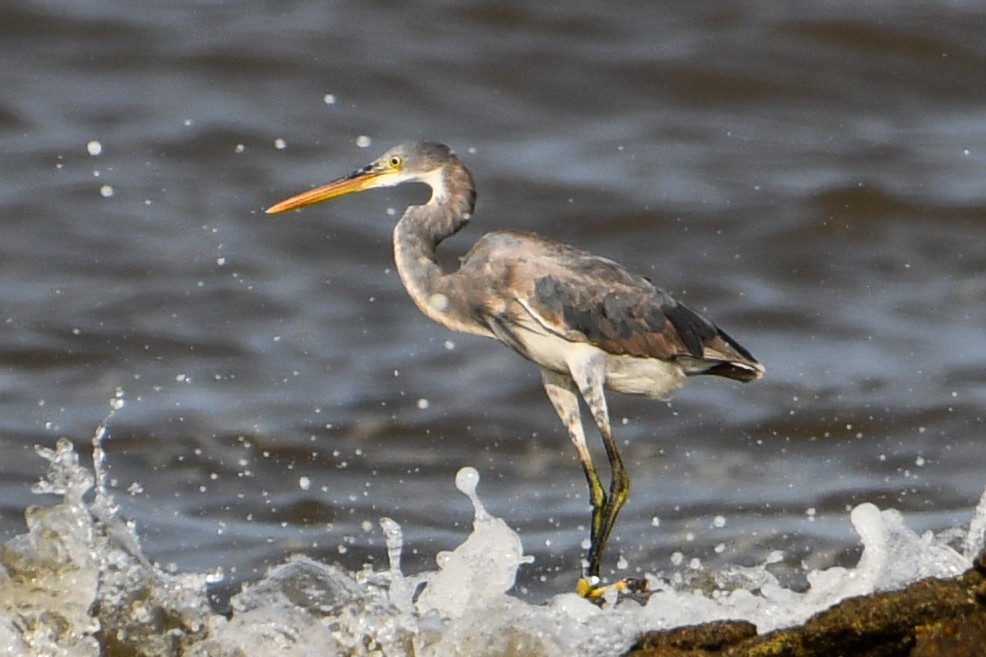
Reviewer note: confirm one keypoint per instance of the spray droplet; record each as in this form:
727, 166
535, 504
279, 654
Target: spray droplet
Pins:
466, 480
393, 536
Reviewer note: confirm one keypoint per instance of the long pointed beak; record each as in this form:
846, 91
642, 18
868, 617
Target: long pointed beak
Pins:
354, 182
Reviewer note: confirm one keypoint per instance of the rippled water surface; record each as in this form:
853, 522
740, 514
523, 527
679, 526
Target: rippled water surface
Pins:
813, 179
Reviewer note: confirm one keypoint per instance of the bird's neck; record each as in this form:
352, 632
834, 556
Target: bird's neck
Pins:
416, 239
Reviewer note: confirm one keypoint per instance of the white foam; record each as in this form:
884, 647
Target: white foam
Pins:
975, 539
478, 573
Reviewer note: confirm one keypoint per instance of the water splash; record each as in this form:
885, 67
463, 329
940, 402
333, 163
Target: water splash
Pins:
479, 572
467, 481
78, 584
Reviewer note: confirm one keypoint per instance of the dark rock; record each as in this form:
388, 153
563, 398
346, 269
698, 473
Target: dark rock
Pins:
930, 618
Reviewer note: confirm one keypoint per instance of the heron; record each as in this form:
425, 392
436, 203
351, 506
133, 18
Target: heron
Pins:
586, 321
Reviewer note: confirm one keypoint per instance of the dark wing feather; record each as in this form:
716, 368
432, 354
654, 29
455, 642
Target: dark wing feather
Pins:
582, 297
619, 314
625, 314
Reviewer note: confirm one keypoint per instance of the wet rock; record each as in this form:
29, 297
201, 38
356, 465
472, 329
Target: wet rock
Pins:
961, 638
696, 639
929, 618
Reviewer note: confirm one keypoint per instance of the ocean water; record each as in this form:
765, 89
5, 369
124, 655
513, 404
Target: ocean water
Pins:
810, 178
77, 583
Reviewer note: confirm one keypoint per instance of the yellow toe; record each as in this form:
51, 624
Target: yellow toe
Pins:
595, 592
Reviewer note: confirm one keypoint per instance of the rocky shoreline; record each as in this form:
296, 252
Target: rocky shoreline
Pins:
930, 618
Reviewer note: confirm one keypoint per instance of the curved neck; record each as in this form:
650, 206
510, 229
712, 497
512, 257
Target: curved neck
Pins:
416, 238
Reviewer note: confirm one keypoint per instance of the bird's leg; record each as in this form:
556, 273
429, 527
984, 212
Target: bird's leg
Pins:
589, 376
564, 397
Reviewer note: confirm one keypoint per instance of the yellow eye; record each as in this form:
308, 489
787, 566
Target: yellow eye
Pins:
395, 161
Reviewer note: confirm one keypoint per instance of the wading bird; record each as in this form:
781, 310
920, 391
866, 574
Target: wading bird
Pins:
586, 321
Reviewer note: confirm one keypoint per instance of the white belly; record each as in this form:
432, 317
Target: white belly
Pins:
643, 376
636, 376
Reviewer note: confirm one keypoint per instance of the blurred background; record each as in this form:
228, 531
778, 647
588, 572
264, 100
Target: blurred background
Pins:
813, 178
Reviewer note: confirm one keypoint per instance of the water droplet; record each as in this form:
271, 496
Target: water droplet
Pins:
466, 481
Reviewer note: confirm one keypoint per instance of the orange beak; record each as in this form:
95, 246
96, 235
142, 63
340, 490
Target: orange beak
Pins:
354, 182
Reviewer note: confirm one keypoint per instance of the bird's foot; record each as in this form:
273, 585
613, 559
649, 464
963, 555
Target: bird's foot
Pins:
592, 590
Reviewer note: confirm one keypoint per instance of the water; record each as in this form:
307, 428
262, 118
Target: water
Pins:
78, 584
810, 178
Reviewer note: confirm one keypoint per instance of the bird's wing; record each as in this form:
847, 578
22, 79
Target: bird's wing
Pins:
621, 319
581, 297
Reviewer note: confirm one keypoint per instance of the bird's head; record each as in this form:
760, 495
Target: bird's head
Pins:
407, 162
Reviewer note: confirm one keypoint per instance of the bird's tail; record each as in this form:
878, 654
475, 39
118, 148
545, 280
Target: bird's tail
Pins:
723, 356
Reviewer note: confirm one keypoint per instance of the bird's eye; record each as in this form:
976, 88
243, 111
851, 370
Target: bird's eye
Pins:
396, 161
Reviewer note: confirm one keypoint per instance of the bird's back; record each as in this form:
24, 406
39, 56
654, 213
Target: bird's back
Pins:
533, 283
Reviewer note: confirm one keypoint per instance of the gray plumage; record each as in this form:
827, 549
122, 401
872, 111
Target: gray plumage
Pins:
587, 322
